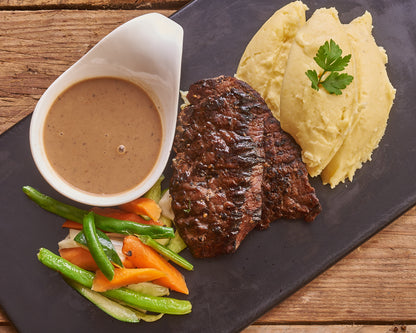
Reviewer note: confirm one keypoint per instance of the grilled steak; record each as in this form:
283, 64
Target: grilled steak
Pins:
287, 192
225, 181
216, 186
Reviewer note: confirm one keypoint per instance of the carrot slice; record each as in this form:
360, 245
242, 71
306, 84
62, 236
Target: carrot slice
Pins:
142, 255
143, 206
72, 225
123, 277
80, 257
127, 263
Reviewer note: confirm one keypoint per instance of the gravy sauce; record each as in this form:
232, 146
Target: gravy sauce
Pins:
103, 135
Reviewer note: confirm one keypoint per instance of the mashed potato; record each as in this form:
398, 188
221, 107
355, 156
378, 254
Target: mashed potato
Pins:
317, 120
375, 99
337, 133
264, 60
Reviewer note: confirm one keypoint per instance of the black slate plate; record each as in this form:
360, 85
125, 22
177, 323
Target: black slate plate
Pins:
228, 292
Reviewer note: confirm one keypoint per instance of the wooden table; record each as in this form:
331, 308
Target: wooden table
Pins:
371, 290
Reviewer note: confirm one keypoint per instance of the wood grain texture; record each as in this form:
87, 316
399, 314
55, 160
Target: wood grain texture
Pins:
374, 283
374, 286
92, 4
332, 328
37, 46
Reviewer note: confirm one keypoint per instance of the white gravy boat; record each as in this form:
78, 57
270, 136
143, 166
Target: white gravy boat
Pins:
147, 51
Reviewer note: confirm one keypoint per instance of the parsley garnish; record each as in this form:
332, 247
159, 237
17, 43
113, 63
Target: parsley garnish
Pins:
329, 59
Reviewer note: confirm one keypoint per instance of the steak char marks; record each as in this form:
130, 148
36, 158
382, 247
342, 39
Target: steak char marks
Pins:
218, 170
223, 167
287, 192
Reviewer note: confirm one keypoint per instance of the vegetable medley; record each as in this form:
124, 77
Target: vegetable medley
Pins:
118, 258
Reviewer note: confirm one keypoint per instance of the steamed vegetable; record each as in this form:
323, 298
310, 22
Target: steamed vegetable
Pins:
148, 317
147, 205
120, 214
142, 255
95, 247
105, 243
166, 252
176, 244
127, 263
155, 192
132, 228
110, 307
143, 206
72, 225
151, 303
121, 288
101, 222
66, 268
80, 257
149, 288
167, 223
165, 204
128, 297
123, 277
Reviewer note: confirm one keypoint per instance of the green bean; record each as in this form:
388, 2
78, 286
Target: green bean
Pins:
65, 267
101, 222
132, 228
106, 244
134, 299
96, 250
150, 303
167, 253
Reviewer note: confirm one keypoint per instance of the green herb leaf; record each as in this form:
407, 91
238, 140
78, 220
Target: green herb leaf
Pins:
335, 82
327, 54
339, 64
105, 243
330, 60
313, 76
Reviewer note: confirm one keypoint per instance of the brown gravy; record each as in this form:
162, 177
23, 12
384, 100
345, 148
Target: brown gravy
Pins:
103, 135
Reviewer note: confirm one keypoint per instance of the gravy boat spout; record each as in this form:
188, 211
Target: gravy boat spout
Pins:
146, 51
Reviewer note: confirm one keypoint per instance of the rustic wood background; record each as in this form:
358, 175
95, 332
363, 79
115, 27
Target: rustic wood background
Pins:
370, 290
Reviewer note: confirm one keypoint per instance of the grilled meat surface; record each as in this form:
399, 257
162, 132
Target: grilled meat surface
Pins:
225, 178
287, 192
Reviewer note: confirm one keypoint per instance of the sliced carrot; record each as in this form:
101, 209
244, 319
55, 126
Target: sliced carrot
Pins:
72, 225
80, 257
143, 206
144, 256
127, 263
124, 215
123, 277
83, 258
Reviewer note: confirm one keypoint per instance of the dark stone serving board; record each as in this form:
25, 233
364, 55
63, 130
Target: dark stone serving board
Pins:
228, 292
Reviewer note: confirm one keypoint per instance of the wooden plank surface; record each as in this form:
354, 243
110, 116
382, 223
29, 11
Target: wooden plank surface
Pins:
37, 46
332, 328
374, 286
374, 283
92, 4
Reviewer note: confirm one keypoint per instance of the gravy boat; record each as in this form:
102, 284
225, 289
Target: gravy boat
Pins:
147, 51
